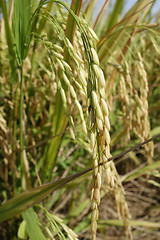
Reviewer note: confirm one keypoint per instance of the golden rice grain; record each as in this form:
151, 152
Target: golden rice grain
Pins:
72, 133
107, 123
99, 124
93, 34
101, 78
104, 107
95, 56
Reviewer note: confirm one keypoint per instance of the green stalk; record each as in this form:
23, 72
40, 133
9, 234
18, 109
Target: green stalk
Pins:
15, 137
25, 178
21, 119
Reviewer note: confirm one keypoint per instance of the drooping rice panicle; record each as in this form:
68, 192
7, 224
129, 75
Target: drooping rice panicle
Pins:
142, 116
100, 145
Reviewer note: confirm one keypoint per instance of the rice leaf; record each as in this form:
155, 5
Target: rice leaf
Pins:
33, 225
22, 230
21, 20
24, 200
144, 170
120, 31
134, 223
115, 14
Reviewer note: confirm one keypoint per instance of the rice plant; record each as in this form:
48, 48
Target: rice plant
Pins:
79, 84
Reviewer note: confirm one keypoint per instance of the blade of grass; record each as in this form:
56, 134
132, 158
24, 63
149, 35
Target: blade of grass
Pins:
115, 36
115, 15
33, 225
144, 170
89, 10
100, 15
134, 223
30, 197
21, 20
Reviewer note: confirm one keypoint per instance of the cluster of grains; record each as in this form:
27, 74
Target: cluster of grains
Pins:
113, 180
142, 126
126, 94
71, 82
134, 102
98, 119
100, 145
122, 207
99, 137
65, 81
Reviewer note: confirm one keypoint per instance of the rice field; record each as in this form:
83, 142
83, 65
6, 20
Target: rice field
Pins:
79, 85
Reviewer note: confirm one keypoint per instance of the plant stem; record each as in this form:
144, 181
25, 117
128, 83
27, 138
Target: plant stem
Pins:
21, 118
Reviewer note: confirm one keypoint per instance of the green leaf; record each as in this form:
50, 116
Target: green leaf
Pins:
22, 230
89, 10
122, 30
33, 225
115, 15
24, 200
134, 223
144, 170
21, 20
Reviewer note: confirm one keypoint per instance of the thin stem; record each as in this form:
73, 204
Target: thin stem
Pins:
21, 117
15, 137
100, 13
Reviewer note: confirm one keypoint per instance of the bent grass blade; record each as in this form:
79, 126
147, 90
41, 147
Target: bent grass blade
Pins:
30, 197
